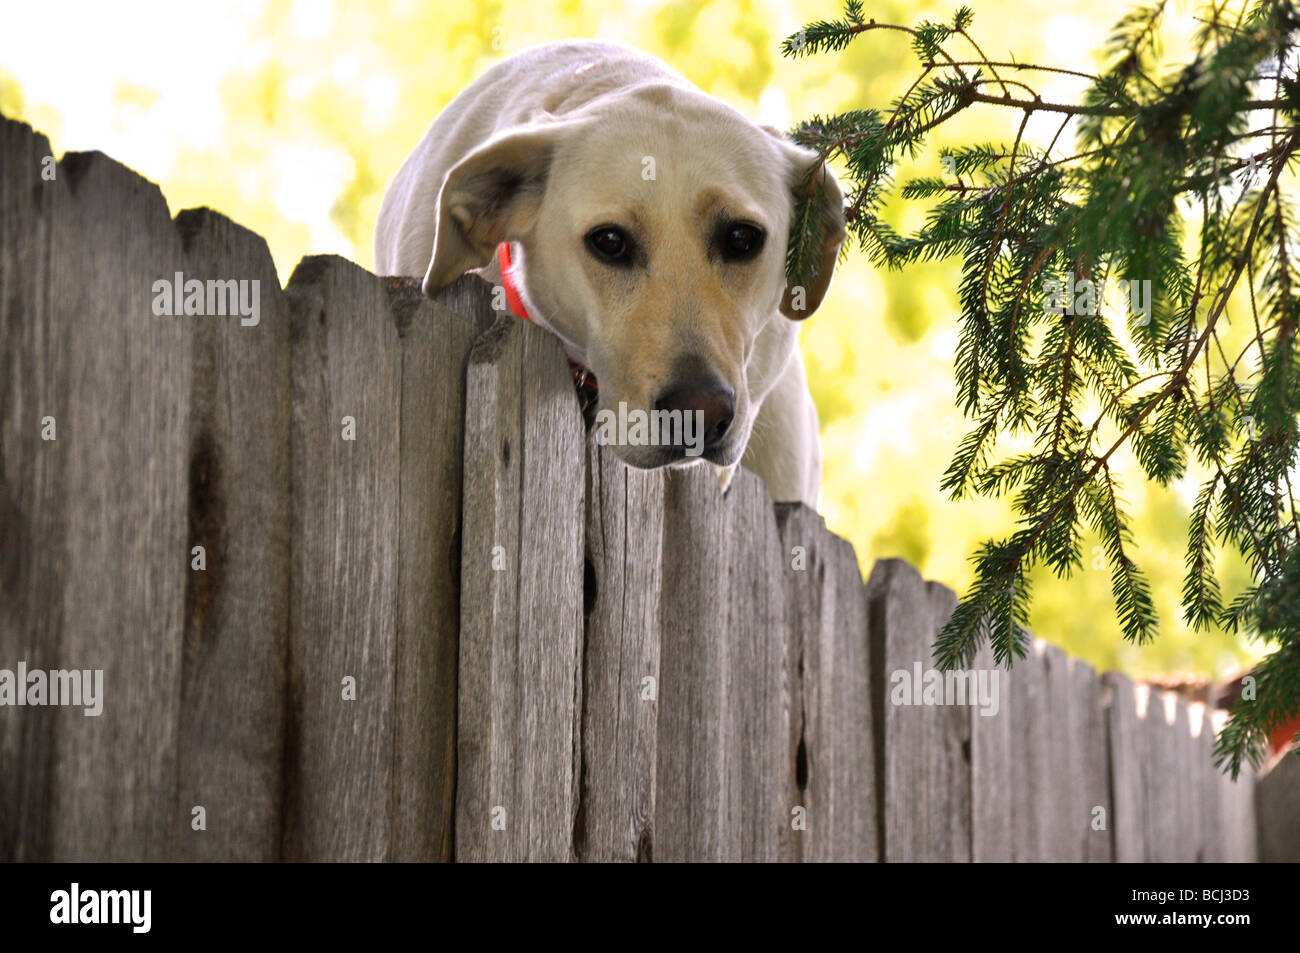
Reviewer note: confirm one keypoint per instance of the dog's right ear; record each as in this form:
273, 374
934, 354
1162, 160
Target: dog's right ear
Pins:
490, 196
799, 302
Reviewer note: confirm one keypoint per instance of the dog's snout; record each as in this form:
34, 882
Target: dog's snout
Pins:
711, 397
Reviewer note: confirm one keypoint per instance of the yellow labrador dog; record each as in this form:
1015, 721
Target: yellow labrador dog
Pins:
643, 222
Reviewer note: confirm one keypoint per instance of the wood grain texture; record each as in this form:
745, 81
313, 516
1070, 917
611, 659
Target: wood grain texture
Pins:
993, 816
695, 809
237, 607
1127, 746
621, 678
521, 600
126, 437
1187, 816
35, 215
927, 793
469, 298
1163, 763
1241, 826
1277, 808
1063, 814
435, 338
375, 582
1031, 780
1227, 806
1076, 775
1191, 792
721, 770
339, 752
757, 679
1090, 765
1217, 831
831, 741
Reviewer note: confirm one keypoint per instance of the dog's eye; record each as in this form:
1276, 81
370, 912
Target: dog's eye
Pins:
609, 244
740, 242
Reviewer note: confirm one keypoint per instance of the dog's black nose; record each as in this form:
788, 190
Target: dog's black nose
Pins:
711, 397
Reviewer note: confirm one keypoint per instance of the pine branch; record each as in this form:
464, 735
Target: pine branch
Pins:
1021, 219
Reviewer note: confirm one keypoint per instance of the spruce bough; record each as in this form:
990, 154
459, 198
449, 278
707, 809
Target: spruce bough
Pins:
1172, 184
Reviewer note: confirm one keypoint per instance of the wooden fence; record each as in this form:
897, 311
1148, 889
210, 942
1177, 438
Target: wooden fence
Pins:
431, 620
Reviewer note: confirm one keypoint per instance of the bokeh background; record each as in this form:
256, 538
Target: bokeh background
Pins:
290, 116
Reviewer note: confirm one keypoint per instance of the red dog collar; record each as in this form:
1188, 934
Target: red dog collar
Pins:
583, 379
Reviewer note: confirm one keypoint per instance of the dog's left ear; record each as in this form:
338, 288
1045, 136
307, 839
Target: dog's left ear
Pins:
490, 196
799, 302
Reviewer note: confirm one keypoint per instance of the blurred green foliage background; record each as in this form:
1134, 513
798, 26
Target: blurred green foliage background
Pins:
290, 116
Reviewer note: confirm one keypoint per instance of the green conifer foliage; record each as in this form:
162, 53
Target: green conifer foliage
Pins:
1173, 185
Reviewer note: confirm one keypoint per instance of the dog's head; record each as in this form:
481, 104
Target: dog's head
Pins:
653, 241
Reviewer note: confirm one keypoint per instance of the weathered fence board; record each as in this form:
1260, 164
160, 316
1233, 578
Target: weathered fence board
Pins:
694, 816
1187, 818
620, 698
742, 809
831, 740
1127, 742
1089, 766
126, 440
1191, 803
236, 605
993, 805
721, 769
435, 342
926, 797
1166, 714
378, 377
1039, 768
34, 214
521, 600
1076, 771
1277, 804
757, 680
1227, 806
434, 620
1031, 787
346, 473
1238, 841
1065, 815
1215, 819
